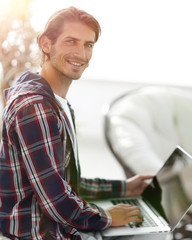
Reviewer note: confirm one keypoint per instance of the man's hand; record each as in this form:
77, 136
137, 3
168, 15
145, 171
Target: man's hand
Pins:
122, 214
137, 184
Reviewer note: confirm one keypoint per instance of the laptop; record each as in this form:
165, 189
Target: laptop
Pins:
165, 201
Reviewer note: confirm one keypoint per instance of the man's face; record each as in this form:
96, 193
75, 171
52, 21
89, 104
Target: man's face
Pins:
71, 53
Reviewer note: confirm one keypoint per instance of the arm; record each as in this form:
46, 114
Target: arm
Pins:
39, 134
121, 214
101, 188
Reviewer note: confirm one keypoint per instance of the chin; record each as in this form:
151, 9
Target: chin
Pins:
76, 77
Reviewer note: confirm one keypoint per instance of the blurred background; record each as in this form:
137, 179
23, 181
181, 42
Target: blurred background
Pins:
143, 42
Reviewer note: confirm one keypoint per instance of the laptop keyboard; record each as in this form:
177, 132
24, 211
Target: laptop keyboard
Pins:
147, 221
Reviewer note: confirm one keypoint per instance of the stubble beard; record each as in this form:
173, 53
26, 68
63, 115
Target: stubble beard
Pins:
59, 69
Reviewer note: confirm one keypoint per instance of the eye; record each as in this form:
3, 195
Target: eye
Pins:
89, 45
70, 41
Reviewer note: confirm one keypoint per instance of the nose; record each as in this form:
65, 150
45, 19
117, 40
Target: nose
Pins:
79, 51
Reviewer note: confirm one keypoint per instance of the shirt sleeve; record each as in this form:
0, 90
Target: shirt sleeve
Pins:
102, 188
38, 131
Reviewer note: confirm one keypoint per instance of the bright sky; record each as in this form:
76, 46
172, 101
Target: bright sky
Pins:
142, 40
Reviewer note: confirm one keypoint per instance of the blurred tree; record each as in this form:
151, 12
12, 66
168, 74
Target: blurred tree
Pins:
18, 49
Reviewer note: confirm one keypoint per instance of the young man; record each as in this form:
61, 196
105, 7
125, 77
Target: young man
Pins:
41, 191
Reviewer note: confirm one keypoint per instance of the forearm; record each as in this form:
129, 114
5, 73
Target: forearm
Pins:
101, 188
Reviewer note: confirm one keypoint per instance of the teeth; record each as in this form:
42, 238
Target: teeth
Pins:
76, 64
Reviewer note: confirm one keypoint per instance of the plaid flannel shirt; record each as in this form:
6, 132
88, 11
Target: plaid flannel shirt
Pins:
41, 192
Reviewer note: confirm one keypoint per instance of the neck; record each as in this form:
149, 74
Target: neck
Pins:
59, 83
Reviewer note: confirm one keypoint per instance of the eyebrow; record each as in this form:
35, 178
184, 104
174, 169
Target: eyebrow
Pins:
76, 39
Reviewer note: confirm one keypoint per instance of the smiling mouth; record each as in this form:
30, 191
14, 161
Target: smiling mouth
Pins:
75, 64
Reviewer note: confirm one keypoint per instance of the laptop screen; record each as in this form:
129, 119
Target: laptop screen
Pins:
170, 190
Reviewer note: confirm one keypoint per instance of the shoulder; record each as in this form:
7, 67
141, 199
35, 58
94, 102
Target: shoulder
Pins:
28, 105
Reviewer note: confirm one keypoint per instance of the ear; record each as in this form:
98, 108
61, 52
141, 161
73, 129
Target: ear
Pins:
45, 44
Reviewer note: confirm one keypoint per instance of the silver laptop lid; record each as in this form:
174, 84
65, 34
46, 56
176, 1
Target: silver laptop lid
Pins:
170, 190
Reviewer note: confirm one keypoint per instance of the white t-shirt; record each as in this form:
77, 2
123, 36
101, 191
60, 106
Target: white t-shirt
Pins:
65, 107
